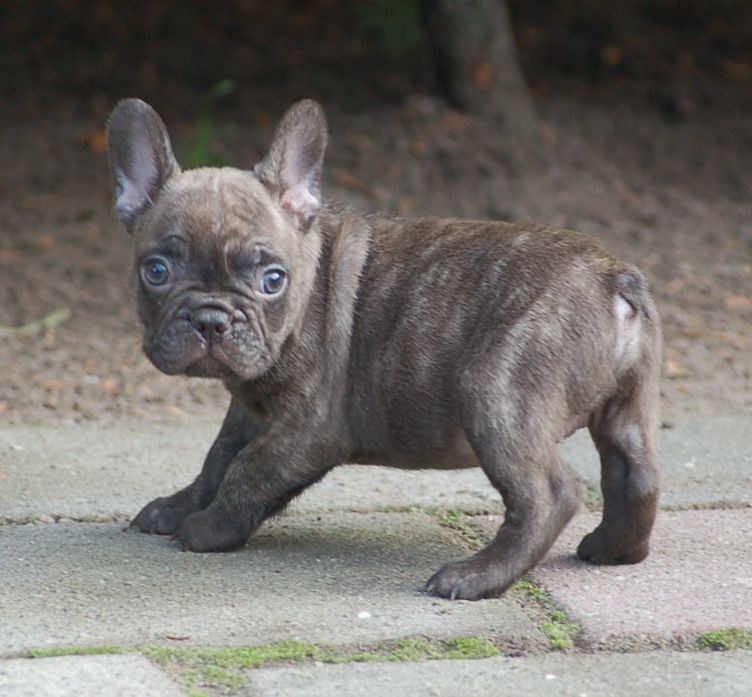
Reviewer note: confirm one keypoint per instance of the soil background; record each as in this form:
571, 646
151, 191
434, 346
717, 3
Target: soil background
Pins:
644, 140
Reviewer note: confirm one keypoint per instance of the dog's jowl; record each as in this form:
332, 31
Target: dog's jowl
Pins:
407, 343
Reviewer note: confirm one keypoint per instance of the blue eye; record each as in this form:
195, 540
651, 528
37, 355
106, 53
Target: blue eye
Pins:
273, 281
155, 272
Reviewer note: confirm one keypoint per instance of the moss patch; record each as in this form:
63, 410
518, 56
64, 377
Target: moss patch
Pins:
221, 669
461, 524
593, 498
558, 628
203, 671
726, 639
410, 650
73, 651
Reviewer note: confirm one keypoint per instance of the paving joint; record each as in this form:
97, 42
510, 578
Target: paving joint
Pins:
221, 668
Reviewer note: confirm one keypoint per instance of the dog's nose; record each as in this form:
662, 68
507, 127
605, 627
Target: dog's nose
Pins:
211, 322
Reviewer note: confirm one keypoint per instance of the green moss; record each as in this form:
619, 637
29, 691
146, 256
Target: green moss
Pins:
199, 669
73, 651
726, 639
419, 649
530, 590
222, 677
470, 647
195, 692
559, 630
593, 497
460, 523
557, 627
220, 667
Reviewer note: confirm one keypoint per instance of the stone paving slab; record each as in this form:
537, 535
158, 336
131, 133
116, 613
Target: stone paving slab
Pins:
338, 578
84, 472
663, 674
698, 577
85, 676
87, 471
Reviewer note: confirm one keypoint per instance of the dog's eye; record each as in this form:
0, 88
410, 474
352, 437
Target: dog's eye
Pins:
273, 280
155, 272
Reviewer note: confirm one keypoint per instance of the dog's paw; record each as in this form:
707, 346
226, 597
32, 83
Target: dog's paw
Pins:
470, 579
207, 531
598, 547
163, 515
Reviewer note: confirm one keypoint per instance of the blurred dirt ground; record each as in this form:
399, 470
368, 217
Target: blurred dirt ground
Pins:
645, 141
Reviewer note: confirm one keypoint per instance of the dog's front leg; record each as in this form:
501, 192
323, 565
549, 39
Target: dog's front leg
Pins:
163, 515
260, 481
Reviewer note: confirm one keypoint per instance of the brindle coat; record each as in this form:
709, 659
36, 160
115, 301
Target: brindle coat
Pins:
407, 343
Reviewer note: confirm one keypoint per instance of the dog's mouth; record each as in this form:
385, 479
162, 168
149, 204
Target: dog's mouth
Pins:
212, 364
178, 349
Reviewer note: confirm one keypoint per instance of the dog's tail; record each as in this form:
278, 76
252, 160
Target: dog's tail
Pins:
631, 285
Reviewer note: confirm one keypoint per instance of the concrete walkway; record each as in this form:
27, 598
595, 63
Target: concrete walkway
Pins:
326, 599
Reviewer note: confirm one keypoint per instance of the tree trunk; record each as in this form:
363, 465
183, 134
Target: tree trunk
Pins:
476, 60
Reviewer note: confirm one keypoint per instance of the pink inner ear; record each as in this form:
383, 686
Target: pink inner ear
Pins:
300, 201
132, 197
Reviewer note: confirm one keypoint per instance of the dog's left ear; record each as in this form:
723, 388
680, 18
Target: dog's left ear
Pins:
292, 168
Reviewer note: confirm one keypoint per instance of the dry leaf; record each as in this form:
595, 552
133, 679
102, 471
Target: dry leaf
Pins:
350, 181
612, 55
108, 385
737, 302
672, 369
95, 140
45, 242
483, 75
738, 71
55, 384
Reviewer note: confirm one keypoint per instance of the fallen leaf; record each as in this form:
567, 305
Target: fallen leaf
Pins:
47, 322
612, 55
672, 369
95, 140
737, 70
108, 385
454, 120
350, 181
55, 384
483, 75
45, 242
737, 302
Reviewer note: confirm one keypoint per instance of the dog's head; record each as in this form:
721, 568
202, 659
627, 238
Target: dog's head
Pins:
225, 259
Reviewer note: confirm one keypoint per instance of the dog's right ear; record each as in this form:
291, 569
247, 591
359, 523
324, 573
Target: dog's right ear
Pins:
141, 158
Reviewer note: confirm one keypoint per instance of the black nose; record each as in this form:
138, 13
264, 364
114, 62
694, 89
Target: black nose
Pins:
211, 323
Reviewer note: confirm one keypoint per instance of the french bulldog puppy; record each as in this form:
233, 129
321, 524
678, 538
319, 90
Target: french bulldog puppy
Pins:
377, 340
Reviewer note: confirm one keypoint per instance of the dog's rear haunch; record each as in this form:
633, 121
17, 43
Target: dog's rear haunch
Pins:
405, 343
